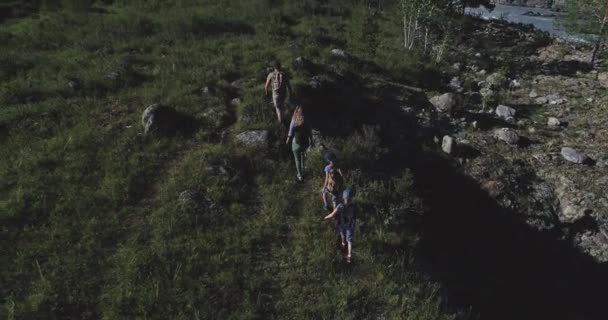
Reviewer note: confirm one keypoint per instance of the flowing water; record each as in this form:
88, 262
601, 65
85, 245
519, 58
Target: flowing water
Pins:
545, 21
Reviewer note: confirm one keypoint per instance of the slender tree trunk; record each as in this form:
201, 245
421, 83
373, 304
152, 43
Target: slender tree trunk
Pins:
600, 38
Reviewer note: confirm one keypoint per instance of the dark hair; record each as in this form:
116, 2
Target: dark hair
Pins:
276, 65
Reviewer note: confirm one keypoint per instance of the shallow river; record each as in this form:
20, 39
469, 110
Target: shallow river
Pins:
518, 15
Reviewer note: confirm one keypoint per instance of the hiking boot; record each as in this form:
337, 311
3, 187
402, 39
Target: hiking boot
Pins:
299, 178
349, 259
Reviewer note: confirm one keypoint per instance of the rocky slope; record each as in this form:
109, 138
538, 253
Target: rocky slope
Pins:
541, 138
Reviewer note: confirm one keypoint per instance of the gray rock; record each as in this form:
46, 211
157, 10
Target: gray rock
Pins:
444, 103
448, 144
602, 77
541, 100
505, 112
533, 94
253, 138
571, 201
195, 200
553, 122
496, 79
339, 53
320, 82
455, 84
507, 135
208, 91
573, 155
159, 118
236, 102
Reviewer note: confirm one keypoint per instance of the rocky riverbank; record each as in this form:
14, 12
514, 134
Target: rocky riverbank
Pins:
535, 114
532, 3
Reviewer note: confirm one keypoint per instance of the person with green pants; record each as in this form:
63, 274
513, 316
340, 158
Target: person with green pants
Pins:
300, 136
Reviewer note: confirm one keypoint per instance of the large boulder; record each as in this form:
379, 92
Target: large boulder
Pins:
574, 155
445, 102
159, 118
506, 113
507, 135
253, 138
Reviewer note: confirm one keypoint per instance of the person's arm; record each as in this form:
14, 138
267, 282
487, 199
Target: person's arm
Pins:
267, 85
332, 214
326, 181
290, 134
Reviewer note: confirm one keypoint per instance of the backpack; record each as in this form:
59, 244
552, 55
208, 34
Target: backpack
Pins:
301, 137
348, 215
278, 81
334, 185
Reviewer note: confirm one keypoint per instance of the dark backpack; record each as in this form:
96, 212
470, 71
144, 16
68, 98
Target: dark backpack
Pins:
301, 136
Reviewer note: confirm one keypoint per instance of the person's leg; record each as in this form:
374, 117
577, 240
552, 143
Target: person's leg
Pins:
349, 240
297, 150
278, 102
325, 194
301, 161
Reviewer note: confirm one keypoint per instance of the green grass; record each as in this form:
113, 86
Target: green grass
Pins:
92, 225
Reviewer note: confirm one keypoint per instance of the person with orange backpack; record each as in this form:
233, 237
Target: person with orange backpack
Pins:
279, 82
333, 182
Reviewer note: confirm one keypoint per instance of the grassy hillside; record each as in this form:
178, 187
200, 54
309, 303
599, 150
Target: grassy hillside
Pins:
92, 222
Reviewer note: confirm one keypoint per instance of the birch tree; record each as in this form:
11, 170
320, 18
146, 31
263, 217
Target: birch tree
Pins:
588, 17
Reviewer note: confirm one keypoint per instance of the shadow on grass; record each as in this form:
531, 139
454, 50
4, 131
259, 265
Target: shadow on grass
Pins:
486, 256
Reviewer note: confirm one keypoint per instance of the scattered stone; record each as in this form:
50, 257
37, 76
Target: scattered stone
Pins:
253, 138
571, 201
496, 79
457, 66
206, 91
541, 100
236, 102
339, 53
553, 122
195, 200
602, 77
507, 135
456, 84
573, 155
533, 94
532, 130
515, 83
444, 103
238, 84
320, 82
506, 113
493, 187
447, 144
159, 118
